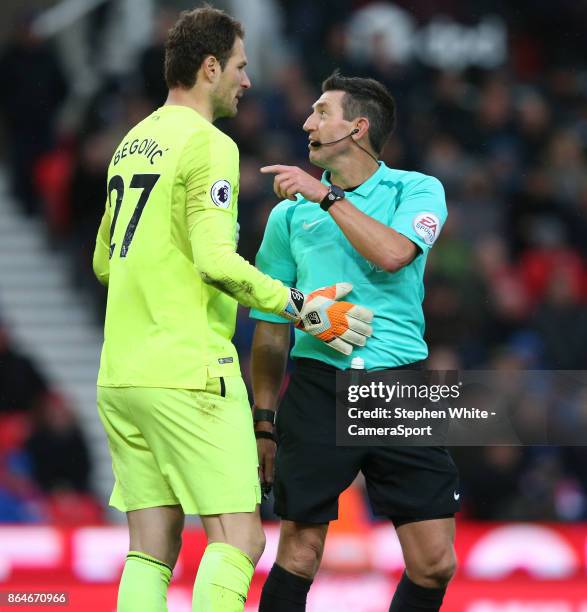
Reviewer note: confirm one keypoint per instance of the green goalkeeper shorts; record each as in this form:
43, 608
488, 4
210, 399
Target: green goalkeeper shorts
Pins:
179, 446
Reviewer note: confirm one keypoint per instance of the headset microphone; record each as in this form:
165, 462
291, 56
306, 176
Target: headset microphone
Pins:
317, 143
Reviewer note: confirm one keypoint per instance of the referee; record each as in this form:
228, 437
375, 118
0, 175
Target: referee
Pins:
372, 226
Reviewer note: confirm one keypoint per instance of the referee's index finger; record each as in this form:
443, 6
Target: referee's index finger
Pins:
275, 169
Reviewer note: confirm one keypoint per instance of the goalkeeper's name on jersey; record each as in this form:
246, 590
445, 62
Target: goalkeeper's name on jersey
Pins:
148, 147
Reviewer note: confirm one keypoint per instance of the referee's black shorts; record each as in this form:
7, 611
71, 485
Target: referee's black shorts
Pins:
405, 483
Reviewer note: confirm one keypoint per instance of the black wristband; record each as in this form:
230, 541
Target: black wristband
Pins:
260, 414
269, 435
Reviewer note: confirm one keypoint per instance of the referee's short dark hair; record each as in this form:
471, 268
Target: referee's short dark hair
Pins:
366, 98
196, 34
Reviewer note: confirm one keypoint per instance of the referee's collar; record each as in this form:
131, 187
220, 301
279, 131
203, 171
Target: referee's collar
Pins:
364, 189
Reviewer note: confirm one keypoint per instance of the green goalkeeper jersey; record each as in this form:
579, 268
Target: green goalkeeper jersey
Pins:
166, 250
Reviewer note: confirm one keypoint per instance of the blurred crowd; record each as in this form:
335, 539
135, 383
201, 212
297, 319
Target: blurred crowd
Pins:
506, 284
44, 459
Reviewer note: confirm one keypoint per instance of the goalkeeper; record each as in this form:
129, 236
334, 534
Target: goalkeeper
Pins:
371, 225
170, 393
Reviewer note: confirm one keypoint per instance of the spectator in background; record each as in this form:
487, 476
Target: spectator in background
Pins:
445, 158
452, 103
44, 467
307, 23
44, 459
534, 122
491, 477
251, 229
21, 382
561, 321
287, 105
493, 124
30, 100
566, 166
57, 448
478, 206
150, 68
20, 499
247, 126
507, 303
333, 55
535, 210
42, 449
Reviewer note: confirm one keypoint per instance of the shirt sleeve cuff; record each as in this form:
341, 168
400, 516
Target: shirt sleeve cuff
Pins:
266, 316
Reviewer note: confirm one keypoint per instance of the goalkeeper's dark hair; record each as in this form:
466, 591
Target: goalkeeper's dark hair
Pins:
365, 98
195, 35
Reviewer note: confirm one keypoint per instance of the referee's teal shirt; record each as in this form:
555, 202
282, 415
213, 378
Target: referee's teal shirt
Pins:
303, 247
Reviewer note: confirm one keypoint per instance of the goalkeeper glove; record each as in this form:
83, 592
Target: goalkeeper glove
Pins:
341, 325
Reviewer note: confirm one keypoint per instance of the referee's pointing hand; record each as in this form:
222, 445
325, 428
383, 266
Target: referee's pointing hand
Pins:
290, 180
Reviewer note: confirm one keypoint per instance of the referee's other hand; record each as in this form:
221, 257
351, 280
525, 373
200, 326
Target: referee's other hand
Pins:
266, 450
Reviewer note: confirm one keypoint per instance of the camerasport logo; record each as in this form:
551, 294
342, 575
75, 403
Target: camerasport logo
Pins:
220, 193
427, 226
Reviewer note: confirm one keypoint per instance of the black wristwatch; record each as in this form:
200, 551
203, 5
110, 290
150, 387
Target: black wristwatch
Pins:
335, 193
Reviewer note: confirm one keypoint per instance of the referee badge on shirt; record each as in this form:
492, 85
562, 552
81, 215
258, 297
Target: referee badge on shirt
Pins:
427, 226
220, 193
